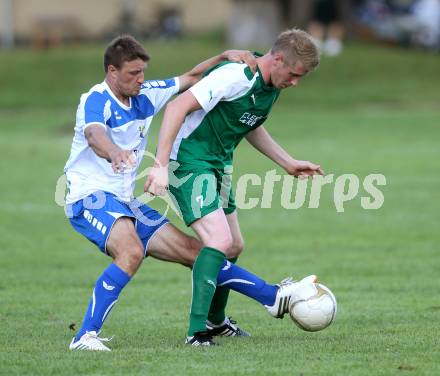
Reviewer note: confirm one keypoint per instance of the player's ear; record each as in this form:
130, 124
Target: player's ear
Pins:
278, 58
111, 69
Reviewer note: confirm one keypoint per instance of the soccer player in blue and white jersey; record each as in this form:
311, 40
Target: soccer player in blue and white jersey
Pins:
112, 124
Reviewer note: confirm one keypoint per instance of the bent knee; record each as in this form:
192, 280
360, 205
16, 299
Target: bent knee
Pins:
193, 245
223, 243
136, 255
130, 258
236, 248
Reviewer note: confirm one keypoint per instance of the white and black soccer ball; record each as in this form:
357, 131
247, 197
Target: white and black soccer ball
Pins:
316, 312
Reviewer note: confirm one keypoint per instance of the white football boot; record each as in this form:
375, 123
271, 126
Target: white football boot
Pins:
90, 341
290, 292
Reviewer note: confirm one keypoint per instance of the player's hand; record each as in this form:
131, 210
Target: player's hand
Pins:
304, 169
241, 56
157, 181
122, 160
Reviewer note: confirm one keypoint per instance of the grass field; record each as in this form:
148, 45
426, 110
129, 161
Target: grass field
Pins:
373, 110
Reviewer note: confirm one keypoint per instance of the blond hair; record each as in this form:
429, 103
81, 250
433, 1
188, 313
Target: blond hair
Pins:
297, 46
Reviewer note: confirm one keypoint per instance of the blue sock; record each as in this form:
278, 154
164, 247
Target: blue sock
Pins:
105, 295
246, 283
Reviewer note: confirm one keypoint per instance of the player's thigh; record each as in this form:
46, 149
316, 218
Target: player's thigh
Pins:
237, 237
123, 240
95, 216
171, 244
149, 223
197, 195
213, 230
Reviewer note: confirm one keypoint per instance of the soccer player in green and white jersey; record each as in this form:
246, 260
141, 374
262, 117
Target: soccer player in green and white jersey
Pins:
200, 130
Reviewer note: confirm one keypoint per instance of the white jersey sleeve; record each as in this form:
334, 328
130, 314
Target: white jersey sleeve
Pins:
159, 92
94, 108
224, 83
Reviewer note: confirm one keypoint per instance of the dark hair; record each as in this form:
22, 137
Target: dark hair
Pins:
121, 49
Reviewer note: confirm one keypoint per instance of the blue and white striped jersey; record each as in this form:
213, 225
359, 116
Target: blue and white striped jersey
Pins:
127, 127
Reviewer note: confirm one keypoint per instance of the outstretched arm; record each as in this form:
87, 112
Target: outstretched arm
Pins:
174, 116
188, 79
261, 140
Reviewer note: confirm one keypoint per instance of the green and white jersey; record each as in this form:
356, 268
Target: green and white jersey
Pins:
234, 102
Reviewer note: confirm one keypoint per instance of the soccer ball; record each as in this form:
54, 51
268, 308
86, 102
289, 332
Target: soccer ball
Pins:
316, 312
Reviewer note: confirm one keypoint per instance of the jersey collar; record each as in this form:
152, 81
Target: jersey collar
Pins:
109, 90
264, 86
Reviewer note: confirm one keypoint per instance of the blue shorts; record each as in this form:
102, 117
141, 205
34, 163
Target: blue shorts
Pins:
95, 215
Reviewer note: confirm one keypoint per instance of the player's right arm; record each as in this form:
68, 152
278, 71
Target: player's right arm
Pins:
174, 116
103, 146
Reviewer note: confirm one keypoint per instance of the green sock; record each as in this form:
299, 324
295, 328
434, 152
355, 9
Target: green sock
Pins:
204, 281
217, 310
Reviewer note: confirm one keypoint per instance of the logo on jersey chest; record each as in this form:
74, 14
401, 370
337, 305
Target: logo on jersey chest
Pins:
249, 119
117, 116
142, 130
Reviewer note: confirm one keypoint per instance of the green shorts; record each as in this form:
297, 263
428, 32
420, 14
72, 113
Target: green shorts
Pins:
200, 191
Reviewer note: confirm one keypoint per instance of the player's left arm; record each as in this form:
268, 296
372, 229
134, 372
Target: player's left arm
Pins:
261, 140
188, 79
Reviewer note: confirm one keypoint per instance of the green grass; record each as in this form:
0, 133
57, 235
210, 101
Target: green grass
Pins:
373, 110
